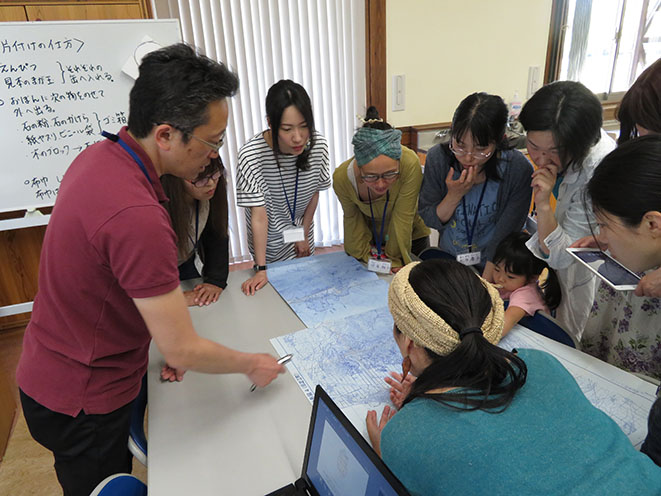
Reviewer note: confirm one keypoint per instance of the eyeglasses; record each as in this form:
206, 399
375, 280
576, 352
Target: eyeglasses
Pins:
460, 152
201, 182
214, 146
386, 176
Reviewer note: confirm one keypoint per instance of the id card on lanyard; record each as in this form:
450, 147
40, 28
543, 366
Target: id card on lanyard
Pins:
197, 261
295, 233
471, 257
379, 263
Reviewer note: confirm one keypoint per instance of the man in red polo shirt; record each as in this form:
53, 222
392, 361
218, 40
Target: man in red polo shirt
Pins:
108, 279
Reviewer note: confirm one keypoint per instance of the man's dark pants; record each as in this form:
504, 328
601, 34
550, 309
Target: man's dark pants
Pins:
87, 448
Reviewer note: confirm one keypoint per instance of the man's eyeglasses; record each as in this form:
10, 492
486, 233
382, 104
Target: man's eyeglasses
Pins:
386, 176
214, 146
460, 152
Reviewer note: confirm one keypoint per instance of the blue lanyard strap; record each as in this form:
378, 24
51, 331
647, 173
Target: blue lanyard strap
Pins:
197, 220
378, 240
470, 230
129, 150
292, 211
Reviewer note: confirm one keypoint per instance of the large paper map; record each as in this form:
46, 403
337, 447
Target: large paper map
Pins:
348, 346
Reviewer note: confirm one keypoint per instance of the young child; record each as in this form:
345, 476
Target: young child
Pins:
516, 274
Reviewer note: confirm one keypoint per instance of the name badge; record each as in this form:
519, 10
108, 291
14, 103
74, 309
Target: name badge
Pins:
293, 234
470, 258
382, 266
197, 261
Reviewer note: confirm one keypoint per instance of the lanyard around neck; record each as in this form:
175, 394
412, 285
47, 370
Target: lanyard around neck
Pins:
378, 240
292, 211
197, 220
129, 150
470, 230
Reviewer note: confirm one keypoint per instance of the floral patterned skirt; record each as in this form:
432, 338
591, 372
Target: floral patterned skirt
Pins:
624, 330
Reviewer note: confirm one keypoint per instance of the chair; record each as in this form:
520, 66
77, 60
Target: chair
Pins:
137, 439
542, 323
120, 485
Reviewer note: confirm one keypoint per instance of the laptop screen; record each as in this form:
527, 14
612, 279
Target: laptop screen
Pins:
339, 461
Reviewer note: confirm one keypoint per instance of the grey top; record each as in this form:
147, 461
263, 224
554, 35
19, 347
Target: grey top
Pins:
512, 201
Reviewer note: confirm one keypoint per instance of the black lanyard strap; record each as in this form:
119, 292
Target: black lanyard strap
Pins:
292, 211
378, 240
129, 150
470, 230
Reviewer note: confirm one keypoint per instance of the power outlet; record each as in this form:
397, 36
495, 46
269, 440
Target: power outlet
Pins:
398, 92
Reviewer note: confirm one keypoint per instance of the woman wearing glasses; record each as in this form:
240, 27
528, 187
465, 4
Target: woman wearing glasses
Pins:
565, 141
280, 174
198, 211
378, 189
475, 191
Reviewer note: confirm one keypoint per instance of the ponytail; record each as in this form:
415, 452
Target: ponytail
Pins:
551, 289
482, 375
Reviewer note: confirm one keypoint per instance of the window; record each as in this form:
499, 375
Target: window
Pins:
605, 44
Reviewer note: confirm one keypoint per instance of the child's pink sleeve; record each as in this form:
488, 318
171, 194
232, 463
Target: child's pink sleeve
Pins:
529, 298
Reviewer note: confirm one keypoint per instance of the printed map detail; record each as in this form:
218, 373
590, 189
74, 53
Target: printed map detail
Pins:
622, 396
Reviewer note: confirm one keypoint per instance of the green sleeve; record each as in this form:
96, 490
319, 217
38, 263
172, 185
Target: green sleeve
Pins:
357, 234
404, 210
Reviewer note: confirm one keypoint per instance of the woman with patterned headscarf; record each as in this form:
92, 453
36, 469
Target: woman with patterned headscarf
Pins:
481, 420
378, 189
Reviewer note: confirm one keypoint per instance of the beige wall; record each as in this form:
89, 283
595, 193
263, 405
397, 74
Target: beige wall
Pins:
448, 49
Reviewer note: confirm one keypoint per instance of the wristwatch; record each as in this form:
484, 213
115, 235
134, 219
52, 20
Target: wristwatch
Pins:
257, 268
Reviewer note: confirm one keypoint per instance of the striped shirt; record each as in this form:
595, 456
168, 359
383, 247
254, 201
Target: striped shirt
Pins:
260, 184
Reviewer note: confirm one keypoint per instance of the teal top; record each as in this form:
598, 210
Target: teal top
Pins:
550, 441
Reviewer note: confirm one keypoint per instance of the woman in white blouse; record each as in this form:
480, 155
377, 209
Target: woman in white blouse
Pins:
565, 141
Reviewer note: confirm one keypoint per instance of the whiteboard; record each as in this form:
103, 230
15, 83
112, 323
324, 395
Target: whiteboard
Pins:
61, 84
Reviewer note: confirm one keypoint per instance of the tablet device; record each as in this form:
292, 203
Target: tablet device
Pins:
610, 270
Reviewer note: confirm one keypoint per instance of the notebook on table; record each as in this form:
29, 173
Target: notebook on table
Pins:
338, 461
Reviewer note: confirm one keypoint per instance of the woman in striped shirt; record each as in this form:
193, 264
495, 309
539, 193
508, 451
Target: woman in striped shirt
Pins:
280, 174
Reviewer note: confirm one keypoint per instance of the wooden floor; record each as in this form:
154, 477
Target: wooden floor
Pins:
27, 468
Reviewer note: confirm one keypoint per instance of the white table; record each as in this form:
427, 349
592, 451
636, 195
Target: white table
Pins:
209, 435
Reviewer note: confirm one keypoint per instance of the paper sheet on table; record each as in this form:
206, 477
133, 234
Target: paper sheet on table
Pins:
349, 358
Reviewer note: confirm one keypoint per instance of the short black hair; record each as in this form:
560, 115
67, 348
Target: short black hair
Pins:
176, 86
571, 112
484, 116
627, 182
641, 104
518, 259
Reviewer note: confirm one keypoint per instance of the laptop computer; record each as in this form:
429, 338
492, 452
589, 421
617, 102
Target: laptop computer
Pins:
338, 461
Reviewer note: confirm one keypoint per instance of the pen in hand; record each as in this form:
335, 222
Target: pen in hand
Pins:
281, 361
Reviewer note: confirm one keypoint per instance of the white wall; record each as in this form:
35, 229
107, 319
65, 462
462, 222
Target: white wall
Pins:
448, 49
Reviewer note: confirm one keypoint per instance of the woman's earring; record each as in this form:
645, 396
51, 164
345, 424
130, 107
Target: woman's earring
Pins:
406, 367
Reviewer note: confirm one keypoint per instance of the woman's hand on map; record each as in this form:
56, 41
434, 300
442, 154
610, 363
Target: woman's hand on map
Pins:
375, 426
399, 389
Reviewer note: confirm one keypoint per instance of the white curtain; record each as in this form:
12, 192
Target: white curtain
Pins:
317, 43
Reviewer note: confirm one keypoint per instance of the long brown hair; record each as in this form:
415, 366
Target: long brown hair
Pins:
179, 213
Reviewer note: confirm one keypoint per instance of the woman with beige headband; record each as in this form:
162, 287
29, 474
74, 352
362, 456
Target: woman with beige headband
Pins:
482, 420
378, 189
